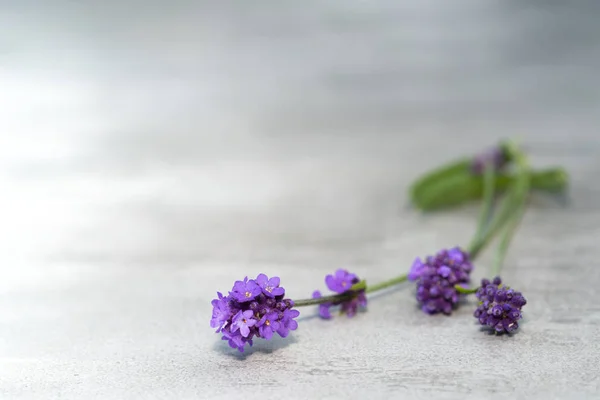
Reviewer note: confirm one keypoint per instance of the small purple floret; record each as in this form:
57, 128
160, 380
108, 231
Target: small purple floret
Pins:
416, 270
268, 325
270, 287
254, 308
436, 278
287, 322
341, 282
245, 290
221, 312
499, 306
323, 308
243, 321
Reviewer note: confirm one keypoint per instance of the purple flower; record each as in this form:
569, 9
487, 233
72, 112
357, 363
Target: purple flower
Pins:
254, 307
416, 270
323, 308
221, 312
287, 322
497, 156
341, 281
270, 287
236, 340
245, 290
436, 278
499, 306
268, 325
350, 307
243, 321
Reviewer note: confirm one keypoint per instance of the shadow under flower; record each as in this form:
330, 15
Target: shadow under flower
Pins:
260, 346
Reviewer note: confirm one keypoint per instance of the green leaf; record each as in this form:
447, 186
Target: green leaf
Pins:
459, 188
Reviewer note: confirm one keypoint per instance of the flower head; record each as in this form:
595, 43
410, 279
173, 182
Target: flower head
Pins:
341, 282
436, 277
499, 306
254, 308
497, 156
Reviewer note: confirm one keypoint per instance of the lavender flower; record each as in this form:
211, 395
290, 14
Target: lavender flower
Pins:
287, 322
268, 325
245, 290
499, 306
497, 156
436, 277
323, 308
341, 282
236, 340
221, 312
270, 287
243, 321
416, 270
254, 307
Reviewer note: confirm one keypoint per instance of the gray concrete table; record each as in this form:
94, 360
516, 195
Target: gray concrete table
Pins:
150, 155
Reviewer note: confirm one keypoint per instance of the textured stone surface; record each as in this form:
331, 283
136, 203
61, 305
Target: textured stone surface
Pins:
150, 156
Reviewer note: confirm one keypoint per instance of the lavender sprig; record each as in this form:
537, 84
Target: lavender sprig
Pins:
257, 307
253, 308
499, 306
437, 277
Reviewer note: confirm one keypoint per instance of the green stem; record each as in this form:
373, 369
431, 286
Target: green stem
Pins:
488, 201
387, 284
479, 242
338, 298
463, 290
522, 185
362, 285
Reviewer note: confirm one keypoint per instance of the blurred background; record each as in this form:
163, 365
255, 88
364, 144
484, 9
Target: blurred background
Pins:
153, 152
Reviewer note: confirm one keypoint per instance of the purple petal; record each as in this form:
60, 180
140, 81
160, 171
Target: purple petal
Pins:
292, 325
244, 330
283, 331
415, 270
333, 284
274, 281
444, 271
324, 310
261, 280
266, 332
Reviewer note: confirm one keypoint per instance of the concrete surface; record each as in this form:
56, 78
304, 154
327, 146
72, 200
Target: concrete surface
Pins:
151, 155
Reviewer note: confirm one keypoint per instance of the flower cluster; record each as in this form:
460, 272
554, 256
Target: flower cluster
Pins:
499, 306
341, 282
254, 307
497, 156
436, 277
